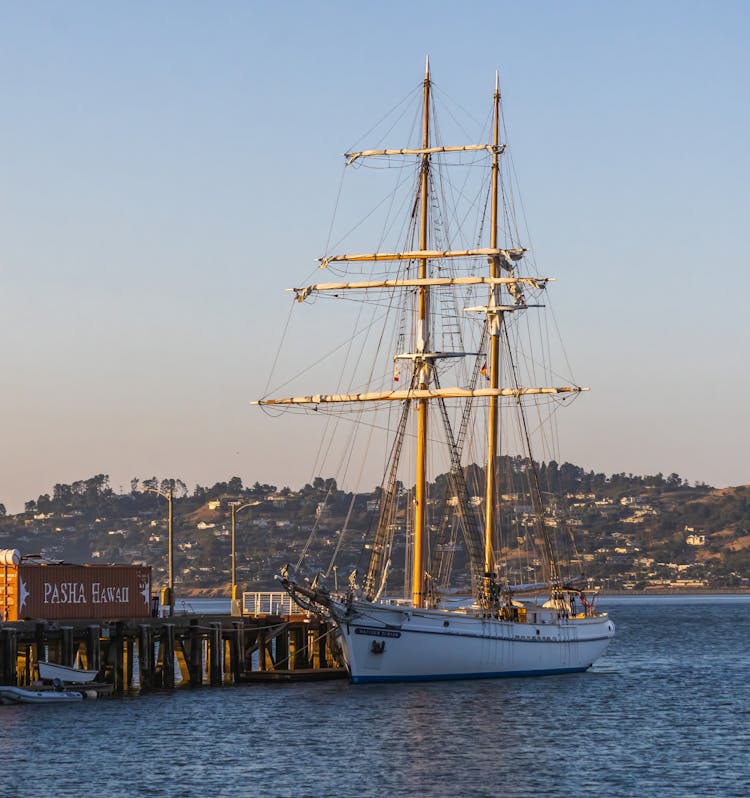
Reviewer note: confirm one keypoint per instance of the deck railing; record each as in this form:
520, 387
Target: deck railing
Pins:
269, 603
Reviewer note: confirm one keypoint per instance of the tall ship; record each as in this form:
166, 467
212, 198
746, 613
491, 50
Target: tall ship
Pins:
448, 364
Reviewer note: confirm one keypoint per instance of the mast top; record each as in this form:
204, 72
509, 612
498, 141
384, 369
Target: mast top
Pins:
427, 66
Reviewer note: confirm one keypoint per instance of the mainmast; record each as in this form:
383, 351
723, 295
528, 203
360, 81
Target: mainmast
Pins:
422, 365
493, 318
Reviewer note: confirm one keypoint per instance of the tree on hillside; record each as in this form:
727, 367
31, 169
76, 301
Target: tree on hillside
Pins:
674, 481
177, 486
262, 491
61, 495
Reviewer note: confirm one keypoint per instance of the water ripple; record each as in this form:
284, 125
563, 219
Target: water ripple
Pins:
663, 714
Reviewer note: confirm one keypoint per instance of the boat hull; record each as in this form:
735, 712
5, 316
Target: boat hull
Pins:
52, 671
20, 695
387, 645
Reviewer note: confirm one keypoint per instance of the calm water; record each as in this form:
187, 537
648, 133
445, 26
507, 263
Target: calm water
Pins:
665, 713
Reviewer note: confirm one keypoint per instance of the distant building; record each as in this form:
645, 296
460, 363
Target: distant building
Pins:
688, 584
631, 500
278, 500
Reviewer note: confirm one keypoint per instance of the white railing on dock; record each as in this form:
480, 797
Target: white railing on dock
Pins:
269, 603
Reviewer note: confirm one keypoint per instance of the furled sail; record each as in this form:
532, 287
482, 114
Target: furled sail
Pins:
417, 393
538, 283
426, 254
351, 157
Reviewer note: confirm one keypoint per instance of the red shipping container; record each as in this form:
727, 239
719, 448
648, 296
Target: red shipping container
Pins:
73, 592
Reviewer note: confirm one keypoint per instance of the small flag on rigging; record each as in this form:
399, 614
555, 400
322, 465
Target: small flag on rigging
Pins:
395, 373
483, 370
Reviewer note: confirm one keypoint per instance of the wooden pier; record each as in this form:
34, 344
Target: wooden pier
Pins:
180, 651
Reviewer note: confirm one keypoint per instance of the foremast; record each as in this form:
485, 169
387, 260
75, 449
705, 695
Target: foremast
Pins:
493, 323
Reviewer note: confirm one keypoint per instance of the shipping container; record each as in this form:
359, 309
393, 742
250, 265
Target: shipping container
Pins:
74, 592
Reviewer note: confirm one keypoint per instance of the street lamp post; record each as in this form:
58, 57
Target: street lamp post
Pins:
169, 597
236, 507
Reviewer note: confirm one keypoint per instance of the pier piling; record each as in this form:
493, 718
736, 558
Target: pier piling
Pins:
67, 654
116, 657
211, 650
237, 650
196, 655
145, 657
166, 655
40, 638
9, 656
93, 647
214, 655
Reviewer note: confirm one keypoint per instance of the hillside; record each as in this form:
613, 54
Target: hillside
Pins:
631, 532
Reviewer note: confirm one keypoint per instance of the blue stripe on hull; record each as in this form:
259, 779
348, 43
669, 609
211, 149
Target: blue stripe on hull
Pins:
453, 676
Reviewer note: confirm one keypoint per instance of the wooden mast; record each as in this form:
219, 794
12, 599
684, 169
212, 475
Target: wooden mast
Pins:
494, 357
423, 366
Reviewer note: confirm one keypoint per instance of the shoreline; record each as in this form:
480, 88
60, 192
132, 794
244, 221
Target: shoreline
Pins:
221, 593
706, 591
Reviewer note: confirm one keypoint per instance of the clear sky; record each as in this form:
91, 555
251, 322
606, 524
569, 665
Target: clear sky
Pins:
168, 168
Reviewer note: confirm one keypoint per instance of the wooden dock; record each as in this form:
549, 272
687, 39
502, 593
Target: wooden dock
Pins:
180, 651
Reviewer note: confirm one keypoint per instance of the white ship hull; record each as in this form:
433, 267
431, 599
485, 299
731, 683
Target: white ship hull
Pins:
383, 644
